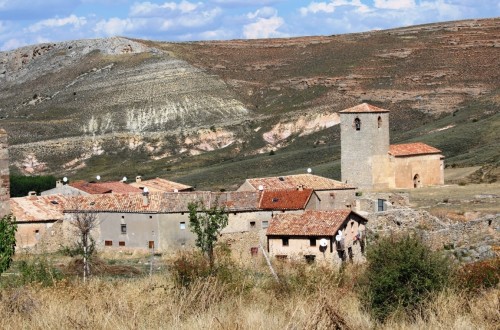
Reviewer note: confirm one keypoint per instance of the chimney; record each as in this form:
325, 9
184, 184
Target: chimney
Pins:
300, 187
145, 196
59, 184
31, 193
138, 179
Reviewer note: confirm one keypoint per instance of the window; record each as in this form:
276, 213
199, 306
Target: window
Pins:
151, 244
379, 122
285, 241
37, 231
357, 124
312, 241
121, 243
108, 243
265, 224
124, 228
381, 205
151, 217
310, 258
252, 224
182, 225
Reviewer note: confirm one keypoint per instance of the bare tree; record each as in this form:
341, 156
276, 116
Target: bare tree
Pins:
83, 220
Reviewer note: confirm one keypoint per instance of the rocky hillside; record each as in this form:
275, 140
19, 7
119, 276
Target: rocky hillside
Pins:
208, 113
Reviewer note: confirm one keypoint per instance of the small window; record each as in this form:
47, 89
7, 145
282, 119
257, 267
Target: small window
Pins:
123, 217
312, 241
121, 243
151, 244
265, 224
108, 243
37, 231
182, 225
310, 258
380, 207
124, 228
357, 124
151, 217
252, 224
379, 122
285, 241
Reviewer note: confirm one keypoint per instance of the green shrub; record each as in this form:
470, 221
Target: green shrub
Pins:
401, 273
40, 271
8, 230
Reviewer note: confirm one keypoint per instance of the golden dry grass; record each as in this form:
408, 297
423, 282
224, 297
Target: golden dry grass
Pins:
251, 303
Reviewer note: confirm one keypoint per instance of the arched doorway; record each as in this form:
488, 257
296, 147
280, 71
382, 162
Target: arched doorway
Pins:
416, 181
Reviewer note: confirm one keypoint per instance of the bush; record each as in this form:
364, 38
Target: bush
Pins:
479, 275
401, 273
39, 271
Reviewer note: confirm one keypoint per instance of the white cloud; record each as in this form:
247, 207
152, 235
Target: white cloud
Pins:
264, 28
115, 26
329, 7
76, 22
394, 4
12, 44
148, 9
265, 12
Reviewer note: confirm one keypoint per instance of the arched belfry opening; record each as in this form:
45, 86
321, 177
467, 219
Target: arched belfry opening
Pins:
416, 181
379, 122
357, 124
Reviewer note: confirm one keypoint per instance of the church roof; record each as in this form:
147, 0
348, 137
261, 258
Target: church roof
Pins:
412, 149
363, 108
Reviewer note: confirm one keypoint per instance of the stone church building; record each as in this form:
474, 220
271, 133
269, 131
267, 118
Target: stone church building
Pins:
369, 162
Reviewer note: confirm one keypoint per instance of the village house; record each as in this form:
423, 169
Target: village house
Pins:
161, 220
332, 194
322, 236
370, 163
36, 217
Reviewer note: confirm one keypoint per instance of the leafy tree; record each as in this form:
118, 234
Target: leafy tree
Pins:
207, 224
402, 272
8, 230
20, 185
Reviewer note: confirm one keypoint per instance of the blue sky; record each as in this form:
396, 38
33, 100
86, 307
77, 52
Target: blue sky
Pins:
24, 22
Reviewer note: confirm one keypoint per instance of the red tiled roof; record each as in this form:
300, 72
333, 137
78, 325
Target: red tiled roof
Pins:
104, 187
291, 199
310, 181
160, 184
410, 149
160, 202
38, 208
309, 223
363, 108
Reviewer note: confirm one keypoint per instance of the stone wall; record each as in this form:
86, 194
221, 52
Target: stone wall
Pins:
4, 174
466, 241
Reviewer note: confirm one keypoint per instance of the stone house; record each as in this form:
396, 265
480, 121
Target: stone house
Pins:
332, 194
4, 174
161, 220
36, 218
370, 163
323, 236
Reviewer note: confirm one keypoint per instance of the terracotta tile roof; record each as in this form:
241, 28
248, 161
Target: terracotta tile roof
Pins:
160, 202
38, 208
291, 199
104, 187
309, 223
160, 184
411, 149
293, 181
363, 108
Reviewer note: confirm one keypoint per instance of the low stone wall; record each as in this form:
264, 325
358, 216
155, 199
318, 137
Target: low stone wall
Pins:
466, 241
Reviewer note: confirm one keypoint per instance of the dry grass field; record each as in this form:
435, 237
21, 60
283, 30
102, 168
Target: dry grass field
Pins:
312, 298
